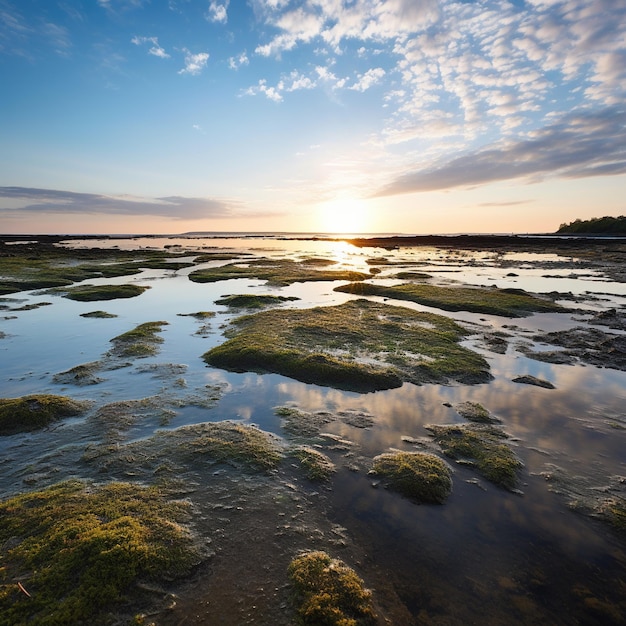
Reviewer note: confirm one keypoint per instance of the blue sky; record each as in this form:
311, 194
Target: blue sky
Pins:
126, 116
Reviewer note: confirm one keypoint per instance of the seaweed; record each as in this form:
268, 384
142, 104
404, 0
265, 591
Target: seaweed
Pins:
420, 476
505, 302
359, 346
329, 592
36, 411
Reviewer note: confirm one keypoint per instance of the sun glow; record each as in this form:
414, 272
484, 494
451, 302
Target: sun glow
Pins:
345, 216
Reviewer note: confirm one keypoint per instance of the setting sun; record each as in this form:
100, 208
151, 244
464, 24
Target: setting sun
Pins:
344, 216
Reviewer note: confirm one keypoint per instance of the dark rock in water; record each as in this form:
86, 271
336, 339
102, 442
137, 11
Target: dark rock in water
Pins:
527, 379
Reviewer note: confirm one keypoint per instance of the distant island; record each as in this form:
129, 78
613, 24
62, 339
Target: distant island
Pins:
596, 225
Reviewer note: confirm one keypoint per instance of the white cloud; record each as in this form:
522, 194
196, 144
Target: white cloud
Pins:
236, 62
218, 11
371, 77
155, 50
271, 93
194, 63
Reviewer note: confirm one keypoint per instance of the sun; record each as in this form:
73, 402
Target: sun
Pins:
343, 216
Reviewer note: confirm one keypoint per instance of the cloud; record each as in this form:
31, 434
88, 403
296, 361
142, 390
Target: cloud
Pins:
55, 201
218, 12
579, 145
272, 93
235, 63
371, 77
194, 63
156, 50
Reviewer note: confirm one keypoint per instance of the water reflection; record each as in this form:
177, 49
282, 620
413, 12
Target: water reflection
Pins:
486, 555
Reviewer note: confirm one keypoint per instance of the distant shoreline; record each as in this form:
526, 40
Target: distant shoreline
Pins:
462, 241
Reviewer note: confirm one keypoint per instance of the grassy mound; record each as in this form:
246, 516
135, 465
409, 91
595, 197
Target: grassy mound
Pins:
481, 447
360, 346
420, 476
37, 411
78, 552
505, 302
252, 301
141, 341
91, 293
329, 592
316, 464
275, 272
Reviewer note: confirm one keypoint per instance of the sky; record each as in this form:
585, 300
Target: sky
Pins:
356, 116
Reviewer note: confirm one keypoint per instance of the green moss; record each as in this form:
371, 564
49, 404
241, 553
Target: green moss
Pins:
84, 374
274, 272
475, 412
329, 592
79, 551
199, 315
315, 463
251, 301
482, 447
420, 476
360, 346
36, 411
98, 314
141, 341
44, 265
235, 444
506, 302
90, 293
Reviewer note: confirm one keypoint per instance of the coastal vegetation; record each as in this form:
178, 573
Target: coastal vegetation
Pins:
36, 411
141, 341
420, 476
253, 301
359, 346
276, 272
91, 293
505, 302
481, 447
78, 553
606, 225
329, 592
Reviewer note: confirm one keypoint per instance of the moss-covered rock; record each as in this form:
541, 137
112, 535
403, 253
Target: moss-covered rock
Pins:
505, 302
141, 341
277, 272
329, 592
90, 293
316, 464
72, 553
420, 476
482, 447
36, 411
253, 301
360, 346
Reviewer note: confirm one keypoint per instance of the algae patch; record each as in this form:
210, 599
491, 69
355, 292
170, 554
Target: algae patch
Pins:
420, 476
482, 447
90, 293
505, 302
252, 301
75, 553
316, 465
36, 411
329, 592
279, 273
360, 346
141, 341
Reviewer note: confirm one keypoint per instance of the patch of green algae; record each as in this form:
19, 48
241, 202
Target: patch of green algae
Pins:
279, 273
359, 346
505, 302
252, 301
36, 411
141, 341
481, 447
420, 476
329, 592
79, 551
316, 464
91, 293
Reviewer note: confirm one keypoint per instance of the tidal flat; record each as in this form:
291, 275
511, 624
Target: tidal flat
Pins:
284, 430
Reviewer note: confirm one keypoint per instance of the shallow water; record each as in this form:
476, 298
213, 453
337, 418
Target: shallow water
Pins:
486, 556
